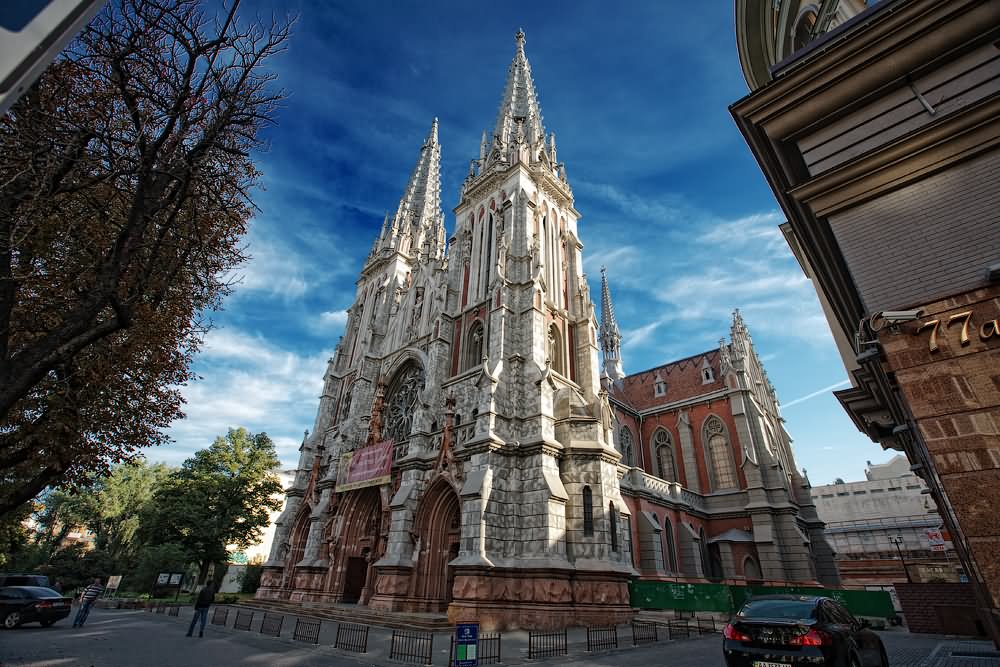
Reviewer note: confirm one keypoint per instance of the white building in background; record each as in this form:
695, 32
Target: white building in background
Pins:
258, 552
864, 520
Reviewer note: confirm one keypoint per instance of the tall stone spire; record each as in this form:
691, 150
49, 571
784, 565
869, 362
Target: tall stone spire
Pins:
519, 104
609, 336
419, 217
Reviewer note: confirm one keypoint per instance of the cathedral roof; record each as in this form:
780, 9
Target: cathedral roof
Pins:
683, 378
519, 103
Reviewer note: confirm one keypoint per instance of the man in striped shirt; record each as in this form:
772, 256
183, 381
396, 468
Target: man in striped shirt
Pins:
91, 593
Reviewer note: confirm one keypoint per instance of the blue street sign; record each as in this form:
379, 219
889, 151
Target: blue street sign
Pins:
466, 645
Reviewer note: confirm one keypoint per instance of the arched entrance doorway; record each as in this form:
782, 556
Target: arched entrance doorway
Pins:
439, 527
358, 542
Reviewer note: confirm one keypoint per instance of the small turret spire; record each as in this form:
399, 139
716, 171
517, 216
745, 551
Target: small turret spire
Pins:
609, 336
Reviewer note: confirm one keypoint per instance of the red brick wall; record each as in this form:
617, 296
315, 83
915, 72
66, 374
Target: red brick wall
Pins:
927, 608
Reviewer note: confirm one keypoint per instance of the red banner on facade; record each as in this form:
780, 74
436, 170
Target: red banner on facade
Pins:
368, 466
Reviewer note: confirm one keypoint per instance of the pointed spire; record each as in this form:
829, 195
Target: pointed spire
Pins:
609, 336
419, 212
519, 101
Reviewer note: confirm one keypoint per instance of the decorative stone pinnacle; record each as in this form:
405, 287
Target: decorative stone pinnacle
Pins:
520, 38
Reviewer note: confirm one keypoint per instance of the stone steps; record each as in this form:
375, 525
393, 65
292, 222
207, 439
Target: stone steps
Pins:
362, 615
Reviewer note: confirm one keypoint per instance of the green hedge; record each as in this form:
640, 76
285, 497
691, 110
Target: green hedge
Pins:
728, 599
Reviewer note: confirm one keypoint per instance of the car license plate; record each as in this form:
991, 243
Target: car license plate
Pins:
758, 663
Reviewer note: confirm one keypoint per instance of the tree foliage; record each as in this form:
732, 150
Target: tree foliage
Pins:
221, 496
125, 181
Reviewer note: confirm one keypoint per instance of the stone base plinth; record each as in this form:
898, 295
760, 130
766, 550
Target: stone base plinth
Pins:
270, 585
308, 585
508, 599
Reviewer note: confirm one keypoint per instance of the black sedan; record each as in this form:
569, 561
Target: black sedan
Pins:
28, 604
785, 630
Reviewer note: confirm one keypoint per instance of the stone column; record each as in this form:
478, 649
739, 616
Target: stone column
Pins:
687, 450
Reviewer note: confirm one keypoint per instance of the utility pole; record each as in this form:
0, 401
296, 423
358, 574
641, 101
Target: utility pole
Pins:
897, 540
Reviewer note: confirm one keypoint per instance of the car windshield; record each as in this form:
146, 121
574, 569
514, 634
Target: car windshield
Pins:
782, 609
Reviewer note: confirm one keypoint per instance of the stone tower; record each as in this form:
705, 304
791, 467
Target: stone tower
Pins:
476, 366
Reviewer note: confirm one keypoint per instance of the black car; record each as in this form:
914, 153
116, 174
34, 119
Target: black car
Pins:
784, 630
28, 604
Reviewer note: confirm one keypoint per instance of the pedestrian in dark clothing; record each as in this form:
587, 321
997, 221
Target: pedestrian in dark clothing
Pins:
87, 598
56, 586
205, 599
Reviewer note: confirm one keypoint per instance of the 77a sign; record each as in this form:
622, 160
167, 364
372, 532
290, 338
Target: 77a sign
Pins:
988, 329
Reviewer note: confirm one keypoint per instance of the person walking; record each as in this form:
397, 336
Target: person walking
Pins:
87, 598
205, 599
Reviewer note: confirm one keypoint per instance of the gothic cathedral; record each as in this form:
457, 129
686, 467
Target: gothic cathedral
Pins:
470, 456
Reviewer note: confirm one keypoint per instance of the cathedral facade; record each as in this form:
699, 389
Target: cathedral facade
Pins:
469, 456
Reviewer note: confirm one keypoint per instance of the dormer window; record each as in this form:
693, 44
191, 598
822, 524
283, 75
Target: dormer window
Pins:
659, 386
707, 375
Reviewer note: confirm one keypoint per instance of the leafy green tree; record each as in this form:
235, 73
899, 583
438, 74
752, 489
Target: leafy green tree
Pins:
154, 559
221, 496
15, 538
113, 506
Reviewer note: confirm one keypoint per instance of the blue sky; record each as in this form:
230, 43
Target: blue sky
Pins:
672, 200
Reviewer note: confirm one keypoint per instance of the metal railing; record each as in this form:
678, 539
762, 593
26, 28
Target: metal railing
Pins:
678, 629
546, 644
220, 615
243, 619
487, 649
174, 610
352, 637
706, 626
411, 647
644, 633
160, 608
602, 638
271, 625
307, 631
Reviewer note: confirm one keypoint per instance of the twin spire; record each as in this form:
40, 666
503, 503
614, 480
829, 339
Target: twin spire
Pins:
519, 104
417, 228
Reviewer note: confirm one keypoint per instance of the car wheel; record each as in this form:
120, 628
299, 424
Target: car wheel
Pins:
12, 620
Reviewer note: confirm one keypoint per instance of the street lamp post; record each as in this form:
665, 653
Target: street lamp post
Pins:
897, 540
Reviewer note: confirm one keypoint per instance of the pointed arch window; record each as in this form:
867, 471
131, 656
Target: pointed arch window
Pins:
613, 522
751, 570
721, 468
668, 535
666, 466
626, 447
555, 350
588, 511
474, 342
703, 551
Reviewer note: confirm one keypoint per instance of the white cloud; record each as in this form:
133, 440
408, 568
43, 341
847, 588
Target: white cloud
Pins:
248, 380
818, 392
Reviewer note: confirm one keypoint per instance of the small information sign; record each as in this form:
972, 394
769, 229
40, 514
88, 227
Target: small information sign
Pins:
466, 645
163, 578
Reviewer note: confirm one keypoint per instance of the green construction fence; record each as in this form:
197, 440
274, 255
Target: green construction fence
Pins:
726, 598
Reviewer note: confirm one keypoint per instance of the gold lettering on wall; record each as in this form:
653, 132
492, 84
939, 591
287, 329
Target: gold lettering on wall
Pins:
934, 332
990, 329
964, 339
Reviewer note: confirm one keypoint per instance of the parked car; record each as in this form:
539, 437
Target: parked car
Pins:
24, 580
787, 630
30, 604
